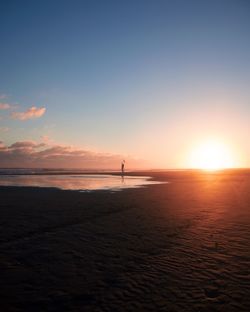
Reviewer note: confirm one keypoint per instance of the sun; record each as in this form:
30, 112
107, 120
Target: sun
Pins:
212, 155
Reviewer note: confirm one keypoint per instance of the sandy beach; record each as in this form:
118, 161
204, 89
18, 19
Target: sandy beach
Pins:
181, 246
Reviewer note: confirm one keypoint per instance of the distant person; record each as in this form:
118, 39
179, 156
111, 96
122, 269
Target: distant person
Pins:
122, 166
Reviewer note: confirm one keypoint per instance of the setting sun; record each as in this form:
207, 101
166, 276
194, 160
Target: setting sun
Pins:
212, 155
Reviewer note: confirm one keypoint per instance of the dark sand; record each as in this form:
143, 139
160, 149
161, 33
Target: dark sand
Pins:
182, 246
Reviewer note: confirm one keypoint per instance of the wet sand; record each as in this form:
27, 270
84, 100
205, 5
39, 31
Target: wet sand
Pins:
182, 246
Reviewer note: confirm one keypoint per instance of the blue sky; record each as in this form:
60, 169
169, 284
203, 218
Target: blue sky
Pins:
142, 78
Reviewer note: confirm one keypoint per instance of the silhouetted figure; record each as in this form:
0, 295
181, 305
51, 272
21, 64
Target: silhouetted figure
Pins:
122, 166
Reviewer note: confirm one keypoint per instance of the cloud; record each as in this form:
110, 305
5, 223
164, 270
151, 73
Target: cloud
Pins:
3, 96
26, 145
47, 140
4, 106
2, 145
30, 154
31, 113
4, 129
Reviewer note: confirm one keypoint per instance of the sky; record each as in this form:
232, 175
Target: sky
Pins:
86, 84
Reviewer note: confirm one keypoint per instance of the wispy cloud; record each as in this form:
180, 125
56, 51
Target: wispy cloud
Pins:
26, 145
5, 106
32, 113
3, 96
4, 129
46, 139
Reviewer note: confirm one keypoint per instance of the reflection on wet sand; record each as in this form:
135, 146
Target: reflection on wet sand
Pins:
77, 182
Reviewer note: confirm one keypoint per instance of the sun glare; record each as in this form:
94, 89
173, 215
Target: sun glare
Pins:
212, 156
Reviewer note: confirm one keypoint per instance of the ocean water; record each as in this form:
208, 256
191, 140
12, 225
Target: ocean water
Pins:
80, 182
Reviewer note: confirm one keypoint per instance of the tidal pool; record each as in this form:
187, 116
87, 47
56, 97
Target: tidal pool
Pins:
80, 182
